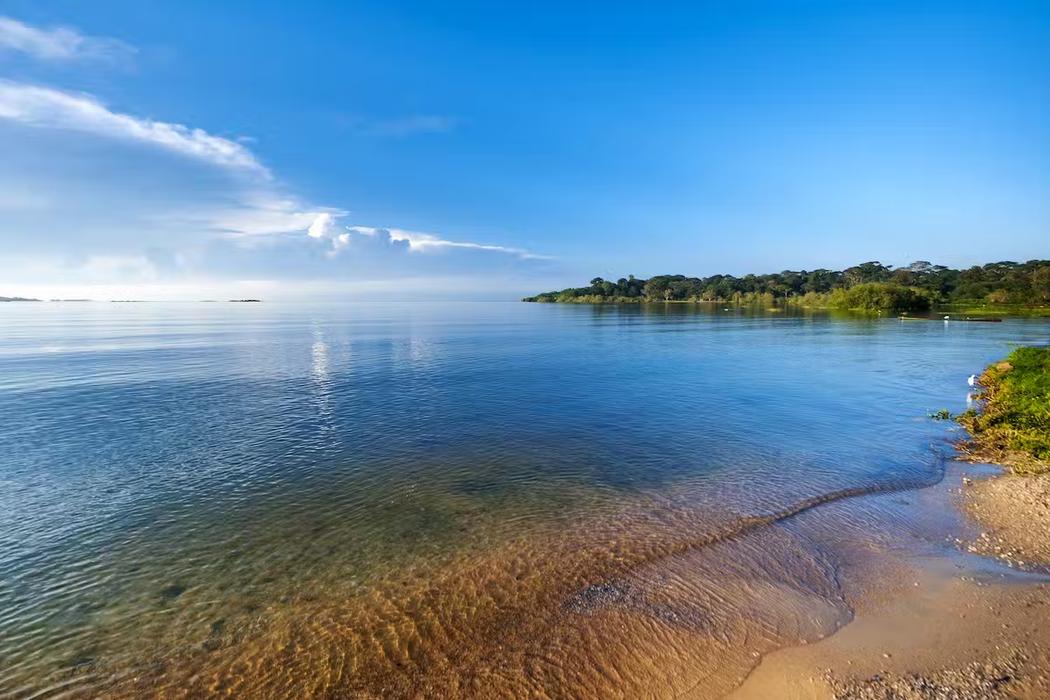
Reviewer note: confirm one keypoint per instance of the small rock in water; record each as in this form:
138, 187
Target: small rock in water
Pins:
173, 591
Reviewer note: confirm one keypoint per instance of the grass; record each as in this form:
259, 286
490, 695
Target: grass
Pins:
1012, 426
978, 309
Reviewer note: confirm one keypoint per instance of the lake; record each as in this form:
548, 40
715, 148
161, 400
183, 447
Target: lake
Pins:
462, 498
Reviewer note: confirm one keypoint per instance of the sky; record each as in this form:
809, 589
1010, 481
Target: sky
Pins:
480, 150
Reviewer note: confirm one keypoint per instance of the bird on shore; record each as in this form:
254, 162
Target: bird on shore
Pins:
972, 381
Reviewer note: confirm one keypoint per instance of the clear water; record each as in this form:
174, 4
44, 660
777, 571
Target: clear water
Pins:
405, 499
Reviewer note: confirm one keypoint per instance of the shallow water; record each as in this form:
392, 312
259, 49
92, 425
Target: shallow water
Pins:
477, 499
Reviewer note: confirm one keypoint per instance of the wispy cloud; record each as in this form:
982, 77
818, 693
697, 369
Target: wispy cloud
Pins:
427, 242
232, 217
58, 43
262, 213
40, 106
256, 207
409, 126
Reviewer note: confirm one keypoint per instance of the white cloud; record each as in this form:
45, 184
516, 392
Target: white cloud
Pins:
255, 206
249, 205
427, 242
321, 226
45, 107
225, 220
57, 44
261, 213
339, 243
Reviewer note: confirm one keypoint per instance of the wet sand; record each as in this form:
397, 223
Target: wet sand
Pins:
966, 628
951, 636
1014, 514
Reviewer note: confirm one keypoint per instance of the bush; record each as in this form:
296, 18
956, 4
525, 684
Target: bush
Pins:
880, 296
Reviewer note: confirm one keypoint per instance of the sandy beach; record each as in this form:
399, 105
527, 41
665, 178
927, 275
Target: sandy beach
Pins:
1014, 513
940, 628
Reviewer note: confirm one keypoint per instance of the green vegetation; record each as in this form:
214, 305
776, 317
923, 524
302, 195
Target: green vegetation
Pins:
1013, 425
1001, 287
876, 296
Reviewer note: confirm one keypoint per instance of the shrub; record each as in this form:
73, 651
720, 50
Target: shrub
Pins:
880, 296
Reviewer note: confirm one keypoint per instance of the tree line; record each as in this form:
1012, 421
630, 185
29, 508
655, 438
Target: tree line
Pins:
869, 285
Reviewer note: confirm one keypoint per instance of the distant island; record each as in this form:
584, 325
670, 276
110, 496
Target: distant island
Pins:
870, 286
131, 301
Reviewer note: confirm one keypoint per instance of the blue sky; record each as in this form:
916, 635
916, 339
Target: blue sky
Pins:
485, 150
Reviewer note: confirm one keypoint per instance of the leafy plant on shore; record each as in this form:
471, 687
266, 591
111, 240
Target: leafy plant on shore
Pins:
1013, 424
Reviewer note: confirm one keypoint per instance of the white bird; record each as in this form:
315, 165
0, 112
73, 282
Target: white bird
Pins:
972, 381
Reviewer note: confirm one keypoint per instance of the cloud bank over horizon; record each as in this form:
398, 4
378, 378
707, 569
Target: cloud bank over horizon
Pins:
196, 207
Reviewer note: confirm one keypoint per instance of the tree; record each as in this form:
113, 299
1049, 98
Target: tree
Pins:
655, 288
881, 296
873, 271
1041, 283
1004, 282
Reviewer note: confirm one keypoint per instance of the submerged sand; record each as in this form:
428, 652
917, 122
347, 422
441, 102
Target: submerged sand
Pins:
955, 631
850, 595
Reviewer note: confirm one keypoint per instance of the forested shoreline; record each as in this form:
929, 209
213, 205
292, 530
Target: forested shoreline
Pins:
867, 286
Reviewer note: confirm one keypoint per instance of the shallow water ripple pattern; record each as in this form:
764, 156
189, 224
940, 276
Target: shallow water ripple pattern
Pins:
470, 498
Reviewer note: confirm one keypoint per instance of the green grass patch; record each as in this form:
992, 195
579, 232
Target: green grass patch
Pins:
995, 310
1013, 424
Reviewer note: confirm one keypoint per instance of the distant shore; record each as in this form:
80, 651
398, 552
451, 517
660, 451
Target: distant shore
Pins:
959, 312
869, 286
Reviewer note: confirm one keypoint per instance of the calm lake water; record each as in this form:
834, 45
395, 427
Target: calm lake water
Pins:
470, 498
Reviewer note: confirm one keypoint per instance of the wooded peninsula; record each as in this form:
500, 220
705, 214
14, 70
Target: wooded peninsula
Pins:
869, 286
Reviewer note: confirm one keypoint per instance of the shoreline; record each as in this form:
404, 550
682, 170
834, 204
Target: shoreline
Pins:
958, 312
964, 628
971, 629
